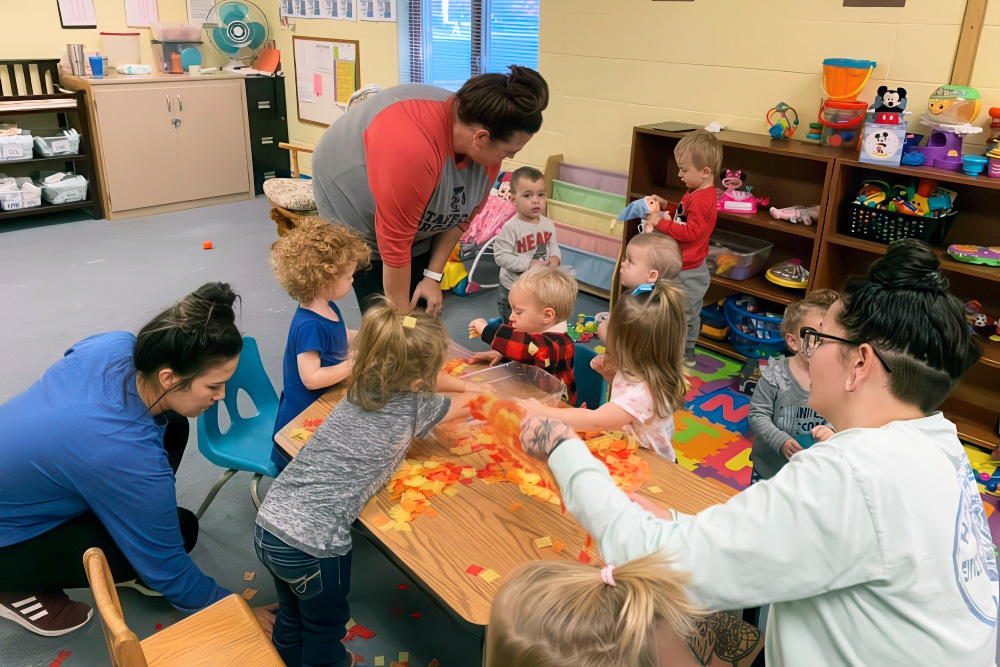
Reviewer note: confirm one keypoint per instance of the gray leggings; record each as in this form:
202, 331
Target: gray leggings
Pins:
695, 283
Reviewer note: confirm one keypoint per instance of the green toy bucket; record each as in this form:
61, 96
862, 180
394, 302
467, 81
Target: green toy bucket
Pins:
844, 78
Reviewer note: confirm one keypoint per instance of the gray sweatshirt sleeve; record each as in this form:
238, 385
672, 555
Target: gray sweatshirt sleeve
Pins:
505, 250
762, 415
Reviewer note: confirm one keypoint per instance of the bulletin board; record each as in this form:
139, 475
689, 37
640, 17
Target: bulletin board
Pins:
327, 72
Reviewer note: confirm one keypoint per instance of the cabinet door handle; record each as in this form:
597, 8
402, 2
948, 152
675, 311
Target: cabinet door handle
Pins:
169, 110
180, 104
264, 105
269, 174
266, 140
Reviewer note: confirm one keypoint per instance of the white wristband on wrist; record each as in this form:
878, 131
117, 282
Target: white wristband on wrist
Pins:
433, 276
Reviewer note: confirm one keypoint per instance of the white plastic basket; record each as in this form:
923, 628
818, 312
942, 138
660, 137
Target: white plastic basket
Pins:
16, 147
63, 193
58, 145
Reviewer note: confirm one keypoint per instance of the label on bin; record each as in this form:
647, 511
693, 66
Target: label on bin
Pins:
60, 146
11, 205
12, 151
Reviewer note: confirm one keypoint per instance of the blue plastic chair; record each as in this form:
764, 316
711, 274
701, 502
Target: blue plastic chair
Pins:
247, 443
591, 388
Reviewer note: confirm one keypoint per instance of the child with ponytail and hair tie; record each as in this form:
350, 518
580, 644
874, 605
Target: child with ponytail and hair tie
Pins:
303, 532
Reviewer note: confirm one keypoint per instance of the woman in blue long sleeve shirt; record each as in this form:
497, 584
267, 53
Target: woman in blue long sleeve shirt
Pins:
88, 455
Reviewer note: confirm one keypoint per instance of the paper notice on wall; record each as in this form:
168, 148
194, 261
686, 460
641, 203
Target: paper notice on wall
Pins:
77, 14
318, 84
377, 10
198, 10
345, 80
140, 13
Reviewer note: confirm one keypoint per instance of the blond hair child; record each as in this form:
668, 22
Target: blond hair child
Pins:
643, 365
528, 239
541, 300
315, 263
553, 613
303, 532
779, 408
648, 258
699, 158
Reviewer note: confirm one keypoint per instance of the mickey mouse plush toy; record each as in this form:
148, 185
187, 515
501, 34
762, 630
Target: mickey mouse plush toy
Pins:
890, 100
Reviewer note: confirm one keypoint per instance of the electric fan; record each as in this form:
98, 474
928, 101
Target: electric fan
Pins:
239, 30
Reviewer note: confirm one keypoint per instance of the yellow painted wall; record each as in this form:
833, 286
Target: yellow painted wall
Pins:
613, 65
32, 28
379, 61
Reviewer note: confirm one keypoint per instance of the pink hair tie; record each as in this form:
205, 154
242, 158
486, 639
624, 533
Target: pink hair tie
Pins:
606, 575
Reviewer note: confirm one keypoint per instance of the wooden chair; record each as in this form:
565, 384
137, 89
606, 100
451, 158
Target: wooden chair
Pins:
291, 198
225, 633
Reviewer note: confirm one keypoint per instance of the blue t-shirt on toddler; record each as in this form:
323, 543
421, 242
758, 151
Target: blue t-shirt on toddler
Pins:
310, 332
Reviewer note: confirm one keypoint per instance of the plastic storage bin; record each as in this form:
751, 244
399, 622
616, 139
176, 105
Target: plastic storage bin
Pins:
752, 334
62, 192
517, 379
588, 197
587, 218
877, 224
174, 32
53, 142
168, 55
735, 256
597, 179
18, 193
713, 322
16, 147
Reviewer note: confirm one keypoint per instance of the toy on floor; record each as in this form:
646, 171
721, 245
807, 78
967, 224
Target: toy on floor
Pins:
975, 254
583, 330
951, 112
806, 215
734, 200
713, 321
789, 274
455, 277
782, 121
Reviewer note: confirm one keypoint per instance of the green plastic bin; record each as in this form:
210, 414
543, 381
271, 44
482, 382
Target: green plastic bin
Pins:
587, 197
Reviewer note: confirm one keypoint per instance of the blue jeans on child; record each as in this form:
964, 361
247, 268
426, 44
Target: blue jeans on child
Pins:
312, 602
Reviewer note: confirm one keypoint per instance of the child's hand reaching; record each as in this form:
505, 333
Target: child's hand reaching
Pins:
476, 327
821, 433
600, 363
654, 206
553, 261
790, 448
532, 406
492, 356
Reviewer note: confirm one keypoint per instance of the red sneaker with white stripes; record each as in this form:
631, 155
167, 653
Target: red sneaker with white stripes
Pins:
49, 614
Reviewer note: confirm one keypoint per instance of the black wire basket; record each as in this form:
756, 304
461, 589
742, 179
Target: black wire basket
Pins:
878, 224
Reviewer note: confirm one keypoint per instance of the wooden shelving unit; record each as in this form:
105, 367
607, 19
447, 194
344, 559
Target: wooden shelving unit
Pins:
793, 172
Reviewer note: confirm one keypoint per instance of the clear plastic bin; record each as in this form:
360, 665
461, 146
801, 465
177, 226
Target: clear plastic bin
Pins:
18, 193
16, 147
61, 192
174, 32
735, 256
587, 197
50, 143
168, 55
515, 379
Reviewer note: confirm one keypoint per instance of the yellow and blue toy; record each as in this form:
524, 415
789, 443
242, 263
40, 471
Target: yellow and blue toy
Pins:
782, 121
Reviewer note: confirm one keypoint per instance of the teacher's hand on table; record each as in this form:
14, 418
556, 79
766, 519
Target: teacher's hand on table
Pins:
540, 434
651, 507
491, 356
429, 290
265, 616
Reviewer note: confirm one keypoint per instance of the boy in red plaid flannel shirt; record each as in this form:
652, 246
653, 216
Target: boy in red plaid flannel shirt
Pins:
541, 300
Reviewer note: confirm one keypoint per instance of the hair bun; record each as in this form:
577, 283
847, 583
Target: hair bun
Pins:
211, 301
527, 89
909, 264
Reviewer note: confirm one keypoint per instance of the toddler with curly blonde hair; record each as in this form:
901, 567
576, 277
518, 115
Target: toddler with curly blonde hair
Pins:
315, 263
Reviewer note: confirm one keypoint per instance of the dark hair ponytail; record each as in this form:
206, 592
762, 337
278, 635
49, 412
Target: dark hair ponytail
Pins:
905, 310
504, 103
191, 336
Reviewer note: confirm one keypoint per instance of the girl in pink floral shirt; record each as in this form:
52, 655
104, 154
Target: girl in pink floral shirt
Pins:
643, 366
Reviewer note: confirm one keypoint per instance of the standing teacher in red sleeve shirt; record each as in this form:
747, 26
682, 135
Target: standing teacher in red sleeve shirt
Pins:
408, 167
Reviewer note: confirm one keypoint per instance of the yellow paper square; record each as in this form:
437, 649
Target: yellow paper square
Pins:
379, 661
543, 542
655, 489
409, 322
489, 575
532, 348
451, 492
404, 656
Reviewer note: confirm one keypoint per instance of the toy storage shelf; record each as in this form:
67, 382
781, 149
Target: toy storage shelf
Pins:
720, 346
788, 172
975, 403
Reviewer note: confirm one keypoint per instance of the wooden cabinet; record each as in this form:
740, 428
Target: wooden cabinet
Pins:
169, 143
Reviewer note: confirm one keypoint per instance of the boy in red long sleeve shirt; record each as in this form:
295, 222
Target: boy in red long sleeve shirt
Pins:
541, 300
699, 157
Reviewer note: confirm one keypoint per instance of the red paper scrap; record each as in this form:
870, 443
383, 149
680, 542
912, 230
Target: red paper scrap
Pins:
359, 631
158, 626
402, 587
474, 570
416, 614
311, 423
60, 658
583, 557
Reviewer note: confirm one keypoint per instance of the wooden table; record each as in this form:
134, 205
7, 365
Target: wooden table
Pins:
477, 526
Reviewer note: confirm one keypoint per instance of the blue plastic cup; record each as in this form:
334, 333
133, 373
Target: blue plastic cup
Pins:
97, 67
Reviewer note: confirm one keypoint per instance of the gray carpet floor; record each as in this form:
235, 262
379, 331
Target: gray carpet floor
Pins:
63, 278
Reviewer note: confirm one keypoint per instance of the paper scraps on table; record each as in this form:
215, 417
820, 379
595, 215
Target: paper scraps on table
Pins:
489, 575
311, 423
514, 507
60, 658
416, 614
543, 542
300, 434
558, 546
248, 576
355, 630
454, 367
584, 557
158, 626
415, 483
655, 489
380, 661
402, 587
474, 570
618, 452
249, 593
